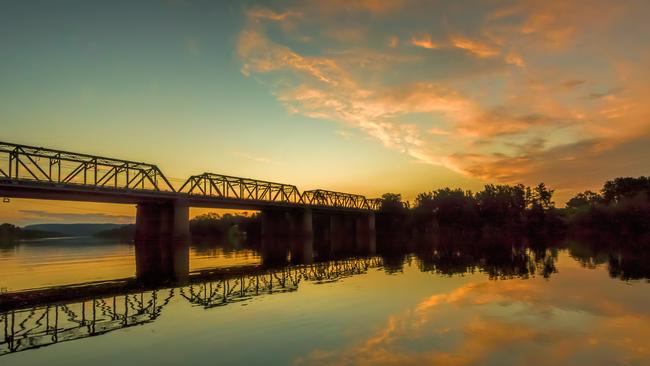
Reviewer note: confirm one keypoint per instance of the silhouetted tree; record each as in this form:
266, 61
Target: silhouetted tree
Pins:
501, 204
584, 200
392, 203
542, 196
626, 188
450, 206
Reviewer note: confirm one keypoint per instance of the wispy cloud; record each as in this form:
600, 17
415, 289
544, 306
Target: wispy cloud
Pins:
51, 216
495, 110
258, 159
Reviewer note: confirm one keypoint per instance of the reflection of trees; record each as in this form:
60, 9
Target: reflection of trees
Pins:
625, 260
497, 253
498, 262
630, 265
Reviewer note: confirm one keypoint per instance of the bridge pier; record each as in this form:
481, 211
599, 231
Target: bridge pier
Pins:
287, 231
162, 235
275, 233
365, 233
301, 227
342, 234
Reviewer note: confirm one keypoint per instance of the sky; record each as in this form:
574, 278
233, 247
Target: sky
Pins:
364, 97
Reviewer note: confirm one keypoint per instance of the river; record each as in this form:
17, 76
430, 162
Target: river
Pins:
563, 306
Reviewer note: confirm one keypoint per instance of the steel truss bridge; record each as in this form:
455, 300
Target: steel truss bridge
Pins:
46, 324
36, 172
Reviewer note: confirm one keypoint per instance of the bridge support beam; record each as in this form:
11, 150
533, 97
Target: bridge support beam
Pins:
162, 235
301, 227
275, 233
286, 231
365, 233
342, 238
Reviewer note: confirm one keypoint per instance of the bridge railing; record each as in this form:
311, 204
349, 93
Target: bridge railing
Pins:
224, 186
21, 162
321, 197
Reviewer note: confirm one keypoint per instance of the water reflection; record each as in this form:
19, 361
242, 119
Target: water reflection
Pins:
47, 320
39, 326
453, 298
625, 262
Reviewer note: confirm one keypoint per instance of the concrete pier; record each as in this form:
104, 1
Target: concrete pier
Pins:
284, 232
365, 233
301, 228
162, 235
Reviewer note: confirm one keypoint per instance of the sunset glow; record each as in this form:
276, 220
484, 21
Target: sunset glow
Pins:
370, 97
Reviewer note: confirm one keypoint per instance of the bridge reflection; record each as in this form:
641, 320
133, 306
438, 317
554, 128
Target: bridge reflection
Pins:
45, 325
38, 319
44, 317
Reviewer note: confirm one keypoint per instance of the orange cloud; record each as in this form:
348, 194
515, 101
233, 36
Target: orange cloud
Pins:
516, 116
481, 49
424, 42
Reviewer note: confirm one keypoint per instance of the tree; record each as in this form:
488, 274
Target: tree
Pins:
450, 206
625, 188
498, 204
583, 200
424, 202
541, 196
391, 202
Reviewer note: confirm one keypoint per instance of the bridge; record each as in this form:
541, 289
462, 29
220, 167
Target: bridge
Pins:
47, 319
162, 214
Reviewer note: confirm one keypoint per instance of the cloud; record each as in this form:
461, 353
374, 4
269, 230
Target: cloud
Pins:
76, 217
570, 84
258, 159
268, 14
424, 42
481, 49
511, 107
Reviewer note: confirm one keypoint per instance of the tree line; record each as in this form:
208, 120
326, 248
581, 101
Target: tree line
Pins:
622, 205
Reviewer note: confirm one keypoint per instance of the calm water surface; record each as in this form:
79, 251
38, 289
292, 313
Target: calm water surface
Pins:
565, 309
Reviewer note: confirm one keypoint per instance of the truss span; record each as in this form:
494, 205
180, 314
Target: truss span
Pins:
224, 186
42, 173
22, 162
321, 197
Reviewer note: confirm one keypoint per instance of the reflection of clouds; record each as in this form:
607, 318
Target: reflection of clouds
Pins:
485, 86
581, 318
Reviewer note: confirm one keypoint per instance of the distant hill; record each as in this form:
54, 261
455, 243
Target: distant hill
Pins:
124, 232
73, 229
10, 234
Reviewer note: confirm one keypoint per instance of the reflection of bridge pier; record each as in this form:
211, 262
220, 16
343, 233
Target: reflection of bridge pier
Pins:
162, 237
